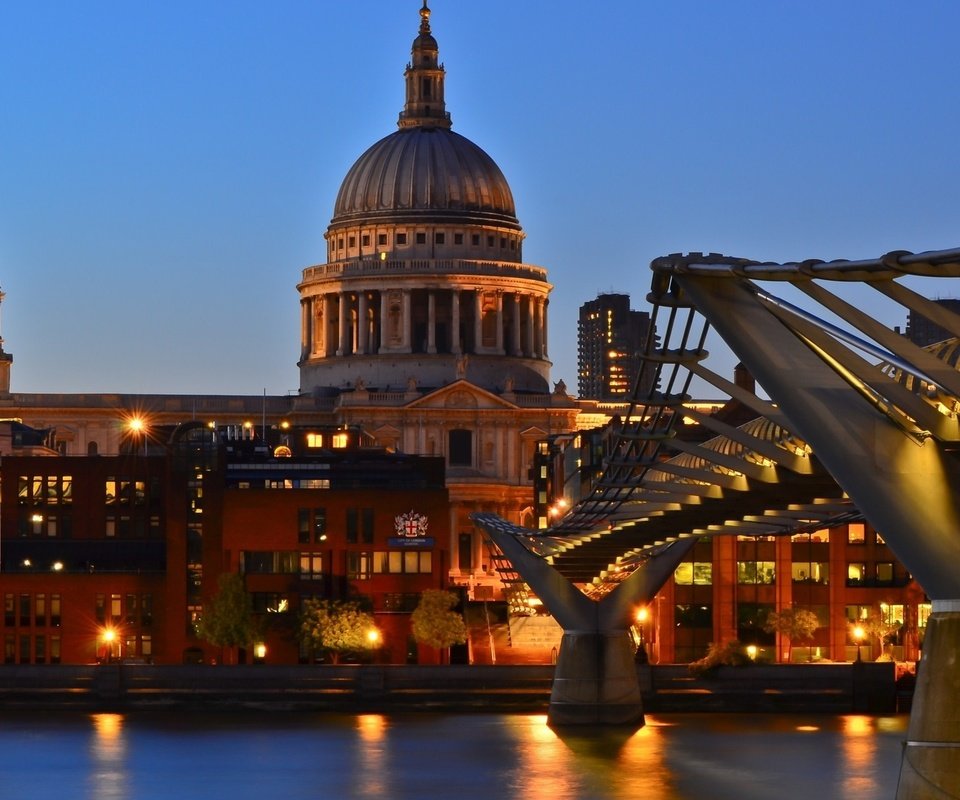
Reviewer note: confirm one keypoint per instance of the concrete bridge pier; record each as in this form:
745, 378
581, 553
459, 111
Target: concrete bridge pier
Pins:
930, 767
595, 681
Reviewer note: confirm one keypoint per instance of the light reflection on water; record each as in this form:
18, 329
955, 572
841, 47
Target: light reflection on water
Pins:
372, 730
396, 757
107, 778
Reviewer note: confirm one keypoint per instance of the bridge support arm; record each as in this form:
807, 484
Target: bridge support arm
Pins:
595, 681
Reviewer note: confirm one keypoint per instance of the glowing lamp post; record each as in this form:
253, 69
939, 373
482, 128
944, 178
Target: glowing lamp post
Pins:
858, 634
137, 427
108, 636
641, 656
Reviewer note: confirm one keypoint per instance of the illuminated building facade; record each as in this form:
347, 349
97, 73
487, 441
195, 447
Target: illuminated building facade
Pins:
112, 557
610, 338
423, 328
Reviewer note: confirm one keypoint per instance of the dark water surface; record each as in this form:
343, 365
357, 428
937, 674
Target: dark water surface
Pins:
273, 756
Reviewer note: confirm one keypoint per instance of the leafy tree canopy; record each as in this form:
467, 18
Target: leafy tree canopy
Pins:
434, 621
796, 624
227, 619
337, 627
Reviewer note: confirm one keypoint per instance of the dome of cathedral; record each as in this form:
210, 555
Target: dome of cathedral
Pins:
429, 171
425, 171
424, 282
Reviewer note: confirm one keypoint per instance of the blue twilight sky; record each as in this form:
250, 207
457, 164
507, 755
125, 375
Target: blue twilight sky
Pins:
167, 169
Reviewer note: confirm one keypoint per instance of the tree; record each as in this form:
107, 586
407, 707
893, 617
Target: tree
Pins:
227, 619
434, 621
796, 624
880, 628
337, 627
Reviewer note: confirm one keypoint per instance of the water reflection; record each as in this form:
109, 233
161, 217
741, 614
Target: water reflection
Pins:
371, 760
860, 754
546, 771
576, 762
107, 778
251, 756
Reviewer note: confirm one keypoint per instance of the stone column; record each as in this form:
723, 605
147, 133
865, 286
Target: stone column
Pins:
455, 540
431, 322
530, 326
306, 306
538, 328
384, 316
515, 344
326, 333
342, 347
478, 322
363, 325
498, 342
455, 321
546, 303
406, 321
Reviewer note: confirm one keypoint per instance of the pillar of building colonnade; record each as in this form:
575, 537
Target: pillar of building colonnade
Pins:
346, 322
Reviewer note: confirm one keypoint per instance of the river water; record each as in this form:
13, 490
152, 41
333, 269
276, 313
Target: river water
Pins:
277, 756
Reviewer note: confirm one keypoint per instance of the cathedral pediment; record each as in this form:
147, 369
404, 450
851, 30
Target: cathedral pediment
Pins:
461, 394
534, 432
386, 432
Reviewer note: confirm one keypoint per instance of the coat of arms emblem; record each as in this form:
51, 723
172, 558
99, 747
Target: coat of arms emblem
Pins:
411, 524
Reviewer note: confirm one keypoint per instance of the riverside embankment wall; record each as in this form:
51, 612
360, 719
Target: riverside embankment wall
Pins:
831, 688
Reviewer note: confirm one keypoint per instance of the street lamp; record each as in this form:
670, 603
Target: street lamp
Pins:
642, 615
137, 426
108, 636
641, 656
858, 634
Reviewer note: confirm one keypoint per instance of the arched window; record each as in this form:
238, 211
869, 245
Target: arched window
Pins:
91, 448
460, 450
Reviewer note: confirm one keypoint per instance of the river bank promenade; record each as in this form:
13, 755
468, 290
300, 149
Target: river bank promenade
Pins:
828, 688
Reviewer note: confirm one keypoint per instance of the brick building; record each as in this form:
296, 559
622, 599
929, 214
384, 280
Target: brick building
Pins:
134, 544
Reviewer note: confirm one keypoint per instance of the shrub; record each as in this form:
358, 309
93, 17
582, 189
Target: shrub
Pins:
728, 654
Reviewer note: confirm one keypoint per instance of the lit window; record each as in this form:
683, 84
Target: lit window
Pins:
690, 573
856, 533
340, 441
810, 572
314, 440
856, 573
311, 566
756, 572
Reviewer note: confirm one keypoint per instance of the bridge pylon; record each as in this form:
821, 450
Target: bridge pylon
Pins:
595, 681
